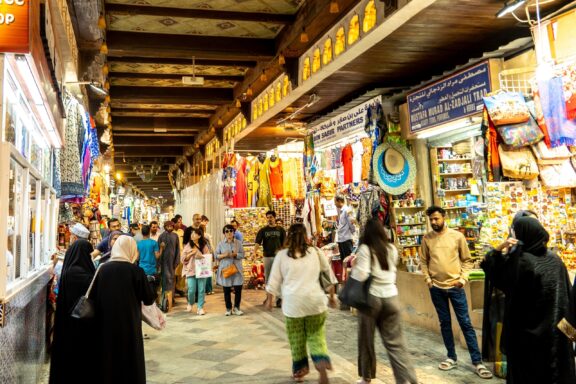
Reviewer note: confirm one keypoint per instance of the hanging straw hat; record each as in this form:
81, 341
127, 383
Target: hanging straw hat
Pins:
396, 175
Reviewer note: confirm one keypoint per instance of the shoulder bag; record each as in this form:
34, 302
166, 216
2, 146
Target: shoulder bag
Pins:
518, 163
230, 270
84, 308
356, 293
326, 278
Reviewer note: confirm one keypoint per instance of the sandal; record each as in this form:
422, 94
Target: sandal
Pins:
299, 375
483, 372
447, 365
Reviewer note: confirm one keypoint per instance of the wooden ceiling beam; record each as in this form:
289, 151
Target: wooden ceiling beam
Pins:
159, 140
186, 46
161, 76
186, 123
150, 151
179, 96
168, 110
188, 61
264, 17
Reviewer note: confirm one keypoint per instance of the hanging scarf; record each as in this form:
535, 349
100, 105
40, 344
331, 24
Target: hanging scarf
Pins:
124, 250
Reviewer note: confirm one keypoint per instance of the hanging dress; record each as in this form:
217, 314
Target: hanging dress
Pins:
264, 193
241, 197
72, 187
252, 182
276, 178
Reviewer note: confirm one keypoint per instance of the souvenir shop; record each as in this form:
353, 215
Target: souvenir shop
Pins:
498, 140
31, 117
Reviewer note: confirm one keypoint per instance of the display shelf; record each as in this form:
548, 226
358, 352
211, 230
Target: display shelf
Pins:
454, 160
456, 190
456, 173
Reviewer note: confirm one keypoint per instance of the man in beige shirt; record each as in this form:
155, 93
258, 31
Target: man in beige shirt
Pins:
445, 263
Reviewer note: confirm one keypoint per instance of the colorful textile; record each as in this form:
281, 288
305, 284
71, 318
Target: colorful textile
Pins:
241, 196
366, 157
560, 129
303, 332
276, 178
264, 193
72, 186
347, 156
358, 152
252, 181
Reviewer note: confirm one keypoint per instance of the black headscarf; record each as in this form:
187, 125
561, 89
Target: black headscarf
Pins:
532, 234
77, 273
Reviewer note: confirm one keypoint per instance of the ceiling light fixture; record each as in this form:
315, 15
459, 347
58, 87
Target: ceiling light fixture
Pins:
219, 122
195, 81
104, 48
304, 36
334, 8
102, 22
509, 7
249, 91
281, 59
263, 76
238, 103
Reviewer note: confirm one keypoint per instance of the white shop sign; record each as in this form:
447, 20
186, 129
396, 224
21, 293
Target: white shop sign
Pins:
344, 124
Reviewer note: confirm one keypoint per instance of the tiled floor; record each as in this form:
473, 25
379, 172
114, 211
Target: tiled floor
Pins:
253, 348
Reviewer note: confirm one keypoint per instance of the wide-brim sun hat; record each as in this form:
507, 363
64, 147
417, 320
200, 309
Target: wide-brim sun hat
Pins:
401, 174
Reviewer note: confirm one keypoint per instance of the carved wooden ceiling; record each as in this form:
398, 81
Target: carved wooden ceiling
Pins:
153, 44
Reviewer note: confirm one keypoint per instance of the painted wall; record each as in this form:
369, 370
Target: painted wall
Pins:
23, 337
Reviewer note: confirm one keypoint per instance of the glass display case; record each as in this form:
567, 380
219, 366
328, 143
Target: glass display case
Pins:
28, 204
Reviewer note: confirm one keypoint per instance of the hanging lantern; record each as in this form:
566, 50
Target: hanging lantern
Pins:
105, 69
102, 22
334, 8
281, 59
263, 76
107, 99
249, 91
304, 36
238, 104
104, 48
219, 122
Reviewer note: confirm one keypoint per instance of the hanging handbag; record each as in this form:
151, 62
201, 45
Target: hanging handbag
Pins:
356, 294
84, 308
327, 278
558, 175
550, 156
518, 163
507, 108
521, 135
229, 271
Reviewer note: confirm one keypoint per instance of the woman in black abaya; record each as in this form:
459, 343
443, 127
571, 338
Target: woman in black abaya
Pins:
537, 289
119, 291
73, 348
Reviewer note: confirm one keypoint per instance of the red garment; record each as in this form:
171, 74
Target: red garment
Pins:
347, 156
258, 270
241, 197
276, 178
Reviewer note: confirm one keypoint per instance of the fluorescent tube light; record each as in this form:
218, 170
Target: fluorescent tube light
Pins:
509, 7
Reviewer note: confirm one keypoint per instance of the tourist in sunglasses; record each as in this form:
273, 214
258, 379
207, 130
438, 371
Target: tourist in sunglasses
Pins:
230, 254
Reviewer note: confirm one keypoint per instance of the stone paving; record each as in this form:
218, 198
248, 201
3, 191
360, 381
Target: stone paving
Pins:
253, 348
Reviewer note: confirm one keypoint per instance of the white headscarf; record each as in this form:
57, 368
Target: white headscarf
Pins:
124, 249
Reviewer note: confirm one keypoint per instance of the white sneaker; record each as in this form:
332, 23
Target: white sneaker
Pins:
188, 308
228, 313
201, 312
237, 312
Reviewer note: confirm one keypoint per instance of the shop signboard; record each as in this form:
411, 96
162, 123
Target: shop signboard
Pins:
449, 99
344, 124
15, 26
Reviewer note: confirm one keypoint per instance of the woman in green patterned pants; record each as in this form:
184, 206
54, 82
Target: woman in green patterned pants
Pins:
295, 277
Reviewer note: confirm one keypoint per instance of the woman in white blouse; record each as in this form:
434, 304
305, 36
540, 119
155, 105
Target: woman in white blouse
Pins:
295, 276
377, 257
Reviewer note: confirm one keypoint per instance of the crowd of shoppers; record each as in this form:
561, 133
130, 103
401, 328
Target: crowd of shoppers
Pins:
128, 270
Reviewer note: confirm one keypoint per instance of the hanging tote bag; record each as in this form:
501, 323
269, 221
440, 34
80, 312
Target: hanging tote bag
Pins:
507, 108
558, 175
521, 135
550, 156
518, 163
204, 266
84, 308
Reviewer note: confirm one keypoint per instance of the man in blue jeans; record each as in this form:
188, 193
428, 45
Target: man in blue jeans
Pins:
445, 263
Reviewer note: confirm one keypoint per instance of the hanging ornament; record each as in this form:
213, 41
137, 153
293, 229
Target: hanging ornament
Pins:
304, 36
102, 22
334, 8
